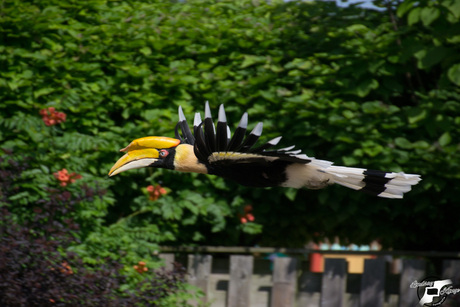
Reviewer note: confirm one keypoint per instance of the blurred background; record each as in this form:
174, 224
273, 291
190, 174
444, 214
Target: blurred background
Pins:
363, 87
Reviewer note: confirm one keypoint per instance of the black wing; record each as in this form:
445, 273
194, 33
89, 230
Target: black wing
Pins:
187, 136
214, 145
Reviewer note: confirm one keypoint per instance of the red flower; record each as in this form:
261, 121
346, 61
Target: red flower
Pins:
248, 216
65, 178
66, 268
155, 191
51, 117
141, 267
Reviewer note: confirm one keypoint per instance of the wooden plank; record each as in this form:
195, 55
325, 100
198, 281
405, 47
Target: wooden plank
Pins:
353, 287
262, 282
218, 282
333, 282
309, 289
168, 260
373, 283
199, 269
240, 281
451, 270
412, 270
284, 282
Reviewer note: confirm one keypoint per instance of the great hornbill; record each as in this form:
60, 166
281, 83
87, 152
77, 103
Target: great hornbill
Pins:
212, 150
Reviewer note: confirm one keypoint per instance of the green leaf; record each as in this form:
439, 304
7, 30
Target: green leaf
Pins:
298, 64
403, 7
454, 39
454, 74
146, 51
348, 114
373, 151
428, 15
197, 236
45, 169
43, 91
194, 209
349, 161
445, 139
414, 16
252, 228
416, 114
403, 143
421, 145
290, 193
373, 107
190, 220
432, 56
19, 195
364, 87
251, 60
189, 79
453, 6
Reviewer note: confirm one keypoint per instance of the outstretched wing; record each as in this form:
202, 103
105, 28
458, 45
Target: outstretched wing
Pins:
215, 145
236, 157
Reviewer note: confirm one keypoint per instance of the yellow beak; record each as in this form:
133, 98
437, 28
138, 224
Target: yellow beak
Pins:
142, 153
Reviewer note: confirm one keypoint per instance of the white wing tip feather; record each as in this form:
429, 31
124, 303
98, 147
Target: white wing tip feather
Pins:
244, 121
207, 110
197, 119
181, 114
222, 117
258, 129
275, 141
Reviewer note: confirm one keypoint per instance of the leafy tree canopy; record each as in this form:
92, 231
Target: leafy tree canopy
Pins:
378, 89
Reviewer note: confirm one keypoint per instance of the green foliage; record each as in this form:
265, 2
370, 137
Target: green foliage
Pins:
39, 269
377, 89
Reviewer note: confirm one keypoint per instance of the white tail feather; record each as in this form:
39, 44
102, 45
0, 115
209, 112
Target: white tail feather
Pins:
320, 173
389, 185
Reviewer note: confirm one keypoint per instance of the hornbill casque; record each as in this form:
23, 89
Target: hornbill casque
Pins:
212, 150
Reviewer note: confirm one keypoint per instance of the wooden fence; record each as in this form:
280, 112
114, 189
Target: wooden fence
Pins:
244, 277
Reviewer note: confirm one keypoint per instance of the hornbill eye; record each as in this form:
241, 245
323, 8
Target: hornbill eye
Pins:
164, 153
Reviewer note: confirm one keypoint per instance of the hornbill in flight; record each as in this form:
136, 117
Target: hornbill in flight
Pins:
212, 150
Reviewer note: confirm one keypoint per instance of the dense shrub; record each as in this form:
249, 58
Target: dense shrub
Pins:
36, 269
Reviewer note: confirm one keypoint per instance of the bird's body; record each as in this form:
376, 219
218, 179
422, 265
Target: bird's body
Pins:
212, 150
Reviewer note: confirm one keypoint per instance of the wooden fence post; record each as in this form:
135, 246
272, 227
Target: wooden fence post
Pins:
412, 269
199, 269
168, 259
309, 288
373, 283
334, 282
284, 282
239, 288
